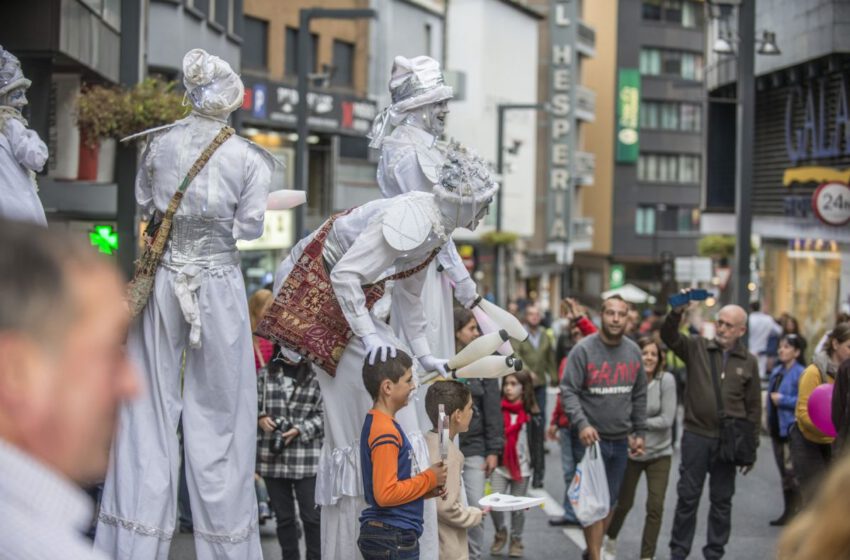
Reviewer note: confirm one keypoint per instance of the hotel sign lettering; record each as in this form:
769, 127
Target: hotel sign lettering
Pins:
562, 28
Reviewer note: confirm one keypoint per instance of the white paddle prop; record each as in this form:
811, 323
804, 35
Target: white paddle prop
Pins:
478, 348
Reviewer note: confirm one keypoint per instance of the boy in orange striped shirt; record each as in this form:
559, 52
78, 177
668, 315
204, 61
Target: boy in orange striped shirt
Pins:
391, 524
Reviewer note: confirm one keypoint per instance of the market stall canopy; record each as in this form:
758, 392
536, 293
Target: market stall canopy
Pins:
630, 293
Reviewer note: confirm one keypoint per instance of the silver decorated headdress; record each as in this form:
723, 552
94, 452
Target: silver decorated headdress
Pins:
465, 177
415, 82
11, 75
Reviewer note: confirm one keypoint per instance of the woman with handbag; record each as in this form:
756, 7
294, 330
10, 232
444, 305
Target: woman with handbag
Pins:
782, 387
811, 449
657, 457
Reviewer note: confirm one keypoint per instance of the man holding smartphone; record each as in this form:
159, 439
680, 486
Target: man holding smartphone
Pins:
741, 398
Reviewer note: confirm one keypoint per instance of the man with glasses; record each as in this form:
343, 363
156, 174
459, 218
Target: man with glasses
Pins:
741, 393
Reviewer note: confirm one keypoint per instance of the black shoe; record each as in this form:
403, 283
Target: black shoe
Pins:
562, 522
537, 481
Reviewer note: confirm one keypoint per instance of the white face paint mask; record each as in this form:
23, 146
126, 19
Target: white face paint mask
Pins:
435, 117
16, 99
431, 118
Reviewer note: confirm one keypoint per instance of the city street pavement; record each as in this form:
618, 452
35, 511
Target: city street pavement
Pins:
757, 500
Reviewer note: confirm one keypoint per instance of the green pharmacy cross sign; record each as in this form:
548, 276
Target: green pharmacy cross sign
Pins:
104, 238
617, 277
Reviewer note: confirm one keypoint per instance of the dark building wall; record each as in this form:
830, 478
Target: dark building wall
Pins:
823, 77
633, 33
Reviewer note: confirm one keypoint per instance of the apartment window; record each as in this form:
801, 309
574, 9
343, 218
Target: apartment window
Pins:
668, 168
686, 13
664, 62
291, 52
664, 218
429, 40
645, 220
652, 10
649, 114
202, 6
677, 219
343, 61
691, 120
650, 62
670, 115
255, 43
221, 13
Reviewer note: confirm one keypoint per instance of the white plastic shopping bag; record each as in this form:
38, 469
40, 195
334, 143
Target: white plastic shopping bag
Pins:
588, 491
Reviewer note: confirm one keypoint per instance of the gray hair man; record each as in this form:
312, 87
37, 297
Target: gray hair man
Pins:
741, 398
62, 378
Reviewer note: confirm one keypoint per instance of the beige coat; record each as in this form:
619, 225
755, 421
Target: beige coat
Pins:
453, 517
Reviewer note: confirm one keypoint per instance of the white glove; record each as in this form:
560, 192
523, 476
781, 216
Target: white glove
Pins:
466, 292
430, 363
377, 347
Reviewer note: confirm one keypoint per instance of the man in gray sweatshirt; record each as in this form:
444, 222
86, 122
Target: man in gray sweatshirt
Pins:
604, 396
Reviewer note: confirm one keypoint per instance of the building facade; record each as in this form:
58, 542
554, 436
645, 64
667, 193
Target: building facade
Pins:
339, 172
566, 163
648, 208
801, 158
492, 45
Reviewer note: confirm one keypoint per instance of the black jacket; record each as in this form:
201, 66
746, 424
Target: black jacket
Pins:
486, 434
740, 386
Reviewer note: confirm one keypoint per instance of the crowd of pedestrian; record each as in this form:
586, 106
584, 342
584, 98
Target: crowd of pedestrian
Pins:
617, 405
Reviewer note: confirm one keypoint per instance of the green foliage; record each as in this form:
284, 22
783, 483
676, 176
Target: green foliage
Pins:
114, 112
499, 238
717, 246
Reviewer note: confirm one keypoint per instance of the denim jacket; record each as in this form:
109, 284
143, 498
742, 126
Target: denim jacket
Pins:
788, 382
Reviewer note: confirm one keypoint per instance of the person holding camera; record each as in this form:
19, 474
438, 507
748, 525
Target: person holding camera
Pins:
722, 401
289, 441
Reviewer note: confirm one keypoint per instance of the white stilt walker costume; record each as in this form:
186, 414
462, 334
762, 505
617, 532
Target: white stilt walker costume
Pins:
22, 152
199, 307
360, 247
406, 133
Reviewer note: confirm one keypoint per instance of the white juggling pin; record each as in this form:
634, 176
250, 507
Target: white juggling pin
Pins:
478, 348
486, 325
284, 199
490, 367
504, 319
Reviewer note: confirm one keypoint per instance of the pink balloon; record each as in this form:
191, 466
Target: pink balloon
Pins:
487, 325
820, 409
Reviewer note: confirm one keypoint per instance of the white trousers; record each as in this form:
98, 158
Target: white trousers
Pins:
217, 399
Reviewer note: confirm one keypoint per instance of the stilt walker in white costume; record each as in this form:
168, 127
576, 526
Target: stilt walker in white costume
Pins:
326, 288
197, 307
22, 152
407, 133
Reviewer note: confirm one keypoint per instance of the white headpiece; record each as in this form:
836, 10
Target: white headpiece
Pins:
211, 84
466, 182
415, 82
11, 76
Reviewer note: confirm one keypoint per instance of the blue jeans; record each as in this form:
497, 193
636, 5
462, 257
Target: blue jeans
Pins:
615, 455
568, 464
379, 540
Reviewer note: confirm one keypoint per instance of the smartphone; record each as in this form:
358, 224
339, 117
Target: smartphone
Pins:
699, 294
678, 300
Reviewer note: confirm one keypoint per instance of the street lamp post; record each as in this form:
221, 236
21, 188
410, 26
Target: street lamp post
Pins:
501, 109
302, 128
745, 135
